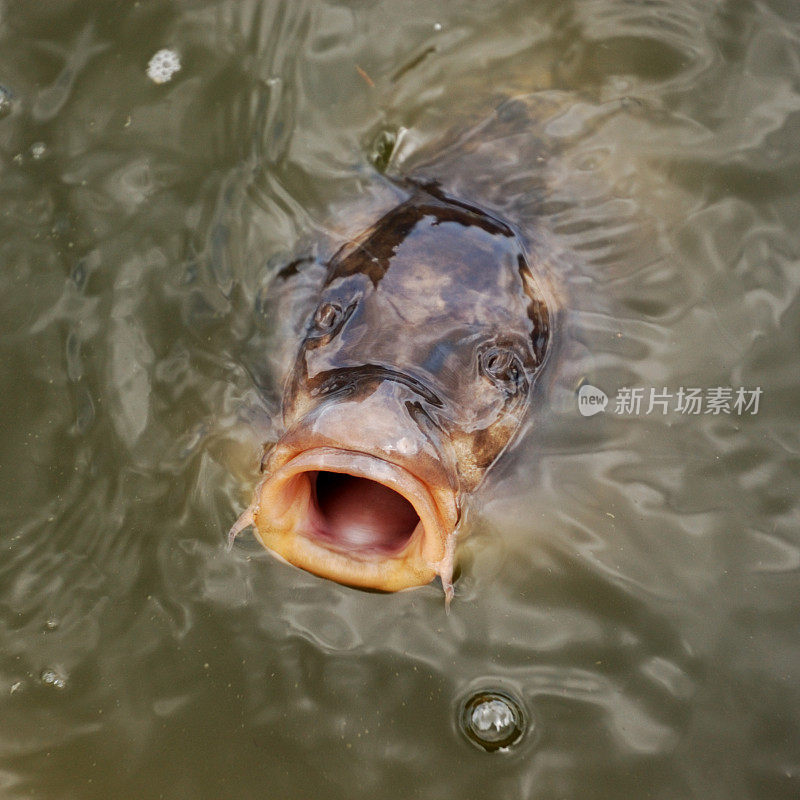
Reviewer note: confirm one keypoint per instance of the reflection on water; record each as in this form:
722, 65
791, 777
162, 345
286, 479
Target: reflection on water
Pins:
631, 579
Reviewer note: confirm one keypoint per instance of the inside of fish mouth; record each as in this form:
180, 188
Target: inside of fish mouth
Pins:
359, 515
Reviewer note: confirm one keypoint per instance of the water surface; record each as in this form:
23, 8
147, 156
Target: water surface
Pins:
631, 578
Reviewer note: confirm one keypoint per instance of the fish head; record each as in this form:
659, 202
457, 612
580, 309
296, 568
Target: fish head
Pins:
414, 374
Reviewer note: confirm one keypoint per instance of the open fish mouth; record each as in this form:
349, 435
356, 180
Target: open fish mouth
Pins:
355, 518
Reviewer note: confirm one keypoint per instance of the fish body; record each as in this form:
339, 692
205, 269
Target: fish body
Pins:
415, 370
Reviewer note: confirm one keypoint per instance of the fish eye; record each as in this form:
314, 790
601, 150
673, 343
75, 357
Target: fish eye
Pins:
327, 317
503, 366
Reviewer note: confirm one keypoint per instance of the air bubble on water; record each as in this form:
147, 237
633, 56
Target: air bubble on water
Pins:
38, 150
437, 26
53, 679
492, 720
163, 65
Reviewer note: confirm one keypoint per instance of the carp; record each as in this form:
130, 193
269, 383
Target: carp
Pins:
415, 370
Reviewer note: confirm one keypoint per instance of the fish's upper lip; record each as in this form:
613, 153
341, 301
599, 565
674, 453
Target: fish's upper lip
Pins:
280, 510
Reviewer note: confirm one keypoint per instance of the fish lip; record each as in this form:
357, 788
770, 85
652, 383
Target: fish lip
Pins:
281, 510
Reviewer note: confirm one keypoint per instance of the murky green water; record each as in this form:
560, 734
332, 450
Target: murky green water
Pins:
631, 578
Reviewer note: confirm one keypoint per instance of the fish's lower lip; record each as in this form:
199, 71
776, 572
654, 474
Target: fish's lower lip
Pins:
286, 516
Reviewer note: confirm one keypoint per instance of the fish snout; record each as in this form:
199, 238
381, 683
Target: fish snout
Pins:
364, 380
363, 490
